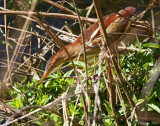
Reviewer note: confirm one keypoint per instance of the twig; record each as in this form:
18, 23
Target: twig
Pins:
24, 65
111, 90
60, 7
6, 39
22, 117
87, 111
143, 12
57, 15
22, 35
97, 102
153, 22
29, 32
65, 117
123, 105
112, 52
75, 106
46, 107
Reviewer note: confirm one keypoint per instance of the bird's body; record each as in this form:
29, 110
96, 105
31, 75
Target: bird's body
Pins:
114, 23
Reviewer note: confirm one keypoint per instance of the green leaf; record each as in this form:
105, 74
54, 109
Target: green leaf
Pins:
54, 117
139, 45
151, 45
11, 104
154, 107
43, 100
18, 102
37, 122
79, 64
9, 3
47, 83
67, 74
53, 76
109, 122
36, 77
9, 44
108, 107
77, 90
59, 74
140, 101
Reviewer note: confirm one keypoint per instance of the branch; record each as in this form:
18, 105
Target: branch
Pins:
57, 15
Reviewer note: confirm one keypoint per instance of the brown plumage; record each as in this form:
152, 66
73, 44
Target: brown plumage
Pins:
113, 23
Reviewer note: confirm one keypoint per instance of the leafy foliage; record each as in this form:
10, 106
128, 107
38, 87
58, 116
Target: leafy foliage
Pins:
137, 67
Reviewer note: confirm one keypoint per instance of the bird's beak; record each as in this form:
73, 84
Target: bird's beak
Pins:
43, 77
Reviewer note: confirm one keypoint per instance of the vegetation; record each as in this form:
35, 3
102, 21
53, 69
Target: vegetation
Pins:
69, 98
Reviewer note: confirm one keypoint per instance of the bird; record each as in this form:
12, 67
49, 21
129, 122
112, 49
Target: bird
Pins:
113, 23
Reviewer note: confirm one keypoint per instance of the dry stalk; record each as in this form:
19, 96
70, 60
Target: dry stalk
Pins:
111, 90
65, 116
39, 108
123, 106
57, 15
112, 52
22, 35
96, 90
6, 39
87, 107
60, 7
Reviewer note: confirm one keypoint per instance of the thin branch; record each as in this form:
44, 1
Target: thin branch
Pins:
22, 35
112, 53
6, 39
111, 89
87, 111
60, 7
57, 15
37, 110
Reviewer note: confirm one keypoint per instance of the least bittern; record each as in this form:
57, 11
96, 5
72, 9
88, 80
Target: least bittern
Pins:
114, 23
